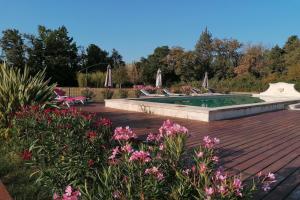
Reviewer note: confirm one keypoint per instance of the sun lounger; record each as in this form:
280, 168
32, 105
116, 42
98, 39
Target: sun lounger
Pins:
151, 95
171, 93
61, 97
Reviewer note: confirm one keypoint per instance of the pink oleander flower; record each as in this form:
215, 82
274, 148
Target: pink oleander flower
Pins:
127, 148
158, 156
141, 156
199, 154
161, 147
222, 189
215, 159
271, 176
117, 194
125, 134
56, 196
210, 142
115, 151
193, 168
170, 128
219, 175
152, 137
209, 191
237, 184
266, 187
103, 122
186, 172
69, 194
91, 163
91, 135
202, 168
155, 172
26, 154
267, 181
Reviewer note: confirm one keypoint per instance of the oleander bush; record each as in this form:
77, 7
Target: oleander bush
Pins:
79, 151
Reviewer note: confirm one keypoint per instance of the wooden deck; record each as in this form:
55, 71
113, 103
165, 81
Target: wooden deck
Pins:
265, 142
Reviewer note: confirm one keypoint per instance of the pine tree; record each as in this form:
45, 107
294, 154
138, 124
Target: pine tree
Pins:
13, 46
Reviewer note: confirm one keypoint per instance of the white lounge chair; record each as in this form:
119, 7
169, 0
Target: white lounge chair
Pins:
151, 95
171, 93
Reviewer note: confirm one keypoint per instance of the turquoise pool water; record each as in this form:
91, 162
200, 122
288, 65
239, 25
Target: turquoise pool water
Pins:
207, 101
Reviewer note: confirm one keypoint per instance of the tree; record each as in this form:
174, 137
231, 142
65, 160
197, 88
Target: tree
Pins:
276, 61
186, 68
292, 50
58, 53
120, 76
36, 54
252, 61
96, 56
116, 59
226, 57
151, 64
13, 45
204, 50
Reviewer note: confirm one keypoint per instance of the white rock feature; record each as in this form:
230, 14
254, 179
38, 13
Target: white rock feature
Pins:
278, 91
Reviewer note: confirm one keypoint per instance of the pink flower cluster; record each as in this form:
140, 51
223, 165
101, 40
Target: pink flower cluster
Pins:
69, 194
117, 150
141, 156
139, 87
103, 122
155, 172
152, 137
170, 128
91, 135
147, 87
267, 180
210, 142
125, 134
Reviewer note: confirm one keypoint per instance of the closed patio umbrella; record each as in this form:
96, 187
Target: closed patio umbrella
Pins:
205, 81
158, 83
108, 81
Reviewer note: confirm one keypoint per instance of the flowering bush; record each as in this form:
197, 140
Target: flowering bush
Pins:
61, 146
186, 89
67, 147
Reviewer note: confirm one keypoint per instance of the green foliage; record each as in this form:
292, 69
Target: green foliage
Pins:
19, 89
96, 57
88, 93
15, 176
107, 93
120, 76
13, 45
95, 79
119, 93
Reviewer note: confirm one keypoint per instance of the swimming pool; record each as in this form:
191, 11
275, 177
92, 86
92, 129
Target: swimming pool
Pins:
208, 101
203, 108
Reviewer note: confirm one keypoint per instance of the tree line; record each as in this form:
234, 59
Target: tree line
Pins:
225, 60
56, 52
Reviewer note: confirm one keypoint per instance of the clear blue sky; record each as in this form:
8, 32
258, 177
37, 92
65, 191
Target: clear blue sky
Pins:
136, 27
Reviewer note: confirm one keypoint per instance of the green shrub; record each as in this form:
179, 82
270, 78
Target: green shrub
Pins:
107, 93
88, 93
133, 93
119, 94
18, 89
95, 79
